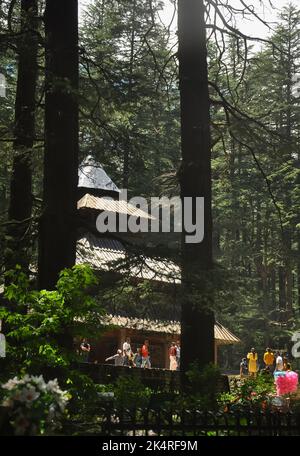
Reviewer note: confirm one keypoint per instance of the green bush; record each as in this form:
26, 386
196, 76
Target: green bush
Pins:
203, 388
131, 393
41, 327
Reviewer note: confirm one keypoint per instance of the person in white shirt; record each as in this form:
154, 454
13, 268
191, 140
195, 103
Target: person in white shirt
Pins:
178, 354
279, 362
127, 351
127, 347
118, 358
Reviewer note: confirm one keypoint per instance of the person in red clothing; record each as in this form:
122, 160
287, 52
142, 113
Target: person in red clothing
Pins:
145, 355
172, 355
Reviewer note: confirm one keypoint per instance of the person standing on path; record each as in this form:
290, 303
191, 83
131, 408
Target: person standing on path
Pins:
252, 363
243, 368
178, 354
269, 359
118, 358
279, 362
85, 349
145, 355
172, 356
127, 351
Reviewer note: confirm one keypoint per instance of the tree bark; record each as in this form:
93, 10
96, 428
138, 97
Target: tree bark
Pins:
20, 205
282, 288
197, 317
57, 236
288, 232
298, 273
127, 145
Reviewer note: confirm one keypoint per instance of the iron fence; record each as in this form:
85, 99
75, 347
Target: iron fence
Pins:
168, 422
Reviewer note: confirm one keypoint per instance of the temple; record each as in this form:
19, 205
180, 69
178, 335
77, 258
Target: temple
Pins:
122, 255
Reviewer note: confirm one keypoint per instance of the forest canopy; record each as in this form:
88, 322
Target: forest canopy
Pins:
128, 99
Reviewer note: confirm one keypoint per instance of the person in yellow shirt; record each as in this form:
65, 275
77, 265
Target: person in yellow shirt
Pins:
269, 359
252, 362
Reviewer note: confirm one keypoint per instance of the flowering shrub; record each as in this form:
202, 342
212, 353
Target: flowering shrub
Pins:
286, 383
250, 393
34, 406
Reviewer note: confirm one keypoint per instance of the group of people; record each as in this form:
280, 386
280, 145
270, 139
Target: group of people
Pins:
174, 355
141, 357
273, 362
126, 356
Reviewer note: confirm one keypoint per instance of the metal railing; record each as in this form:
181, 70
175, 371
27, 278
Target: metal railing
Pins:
168, 422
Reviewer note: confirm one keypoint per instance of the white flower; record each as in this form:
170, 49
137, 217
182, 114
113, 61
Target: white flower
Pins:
8, 403
11, 384
53, 387
22, 393
52, 412
25, 379
39, 382
29, 394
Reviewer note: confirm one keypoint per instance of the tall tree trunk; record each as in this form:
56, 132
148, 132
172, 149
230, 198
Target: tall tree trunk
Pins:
57, 246
282, 288
266, 268
288, 232
197, 317
298, 272
272, 290
20, 205
289, 287
127, 144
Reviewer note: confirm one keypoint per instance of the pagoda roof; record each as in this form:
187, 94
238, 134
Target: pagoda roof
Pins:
222, 335
92, 175
101, 253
